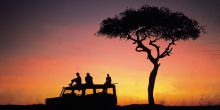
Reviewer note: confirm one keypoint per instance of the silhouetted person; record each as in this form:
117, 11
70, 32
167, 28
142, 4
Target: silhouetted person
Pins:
77, 80
107, 82
89, 79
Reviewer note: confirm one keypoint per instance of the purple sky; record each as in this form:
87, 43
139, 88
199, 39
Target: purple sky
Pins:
19, 18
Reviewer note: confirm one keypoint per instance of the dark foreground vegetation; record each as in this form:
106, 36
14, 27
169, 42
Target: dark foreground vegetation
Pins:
128, 107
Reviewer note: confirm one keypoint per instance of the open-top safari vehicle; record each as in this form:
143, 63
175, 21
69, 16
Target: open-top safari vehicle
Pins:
97, 96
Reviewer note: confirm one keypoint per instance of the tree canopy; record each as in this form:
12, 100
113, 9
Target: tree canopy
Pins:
149, 21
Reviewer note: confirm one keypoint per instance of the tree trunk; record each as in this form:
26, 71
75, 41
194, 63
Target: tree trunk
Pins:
152, 79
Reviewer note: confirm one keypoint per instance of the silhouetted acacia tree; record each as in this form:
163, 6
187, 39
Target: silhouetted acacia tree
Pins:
145, 27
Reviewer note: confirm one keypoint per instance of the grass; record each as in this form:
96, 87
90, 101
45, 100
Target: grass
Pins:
127, 107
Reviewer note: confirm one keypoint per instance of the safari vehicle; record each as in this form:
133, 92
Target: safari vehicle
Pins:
83, 96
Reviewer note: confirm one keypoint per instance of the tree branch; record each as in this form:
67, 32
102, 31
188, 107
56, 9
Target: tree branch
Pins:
168, 50
152, 43
150, 56
144, 37
144, 48
139, 49
130, 38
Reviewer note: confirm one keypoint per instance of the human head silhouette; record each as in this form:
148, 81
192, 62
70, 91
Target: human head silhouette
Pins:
88, 74
107, 75
77, 74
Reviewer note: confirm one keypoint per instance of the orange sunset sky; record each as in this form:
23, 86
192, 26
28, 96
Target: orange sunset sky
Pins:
44, 43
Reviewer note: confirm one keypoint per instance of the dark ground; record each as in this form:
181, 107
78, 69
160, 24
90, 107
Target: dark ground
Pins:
128, 107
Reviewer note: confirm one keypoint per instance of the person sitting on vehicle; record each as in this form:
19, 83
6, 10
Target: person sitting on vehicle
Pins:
77, 80
108, 80
89, 79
